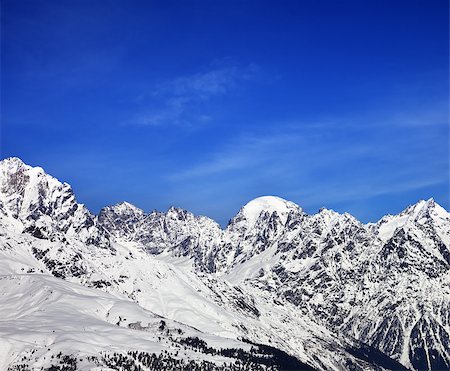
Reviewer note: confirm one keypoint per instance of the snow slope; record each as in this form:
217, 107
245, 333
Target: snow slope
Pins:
43, 316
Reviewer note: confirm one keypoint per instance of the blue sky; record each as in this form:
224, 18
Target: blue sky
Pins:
208, 104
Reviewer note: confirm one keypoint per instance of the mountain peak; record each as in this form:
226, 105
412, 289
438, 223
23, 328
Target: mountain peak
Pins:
125, 207
14, 160
271, 204
419, 208
12, 164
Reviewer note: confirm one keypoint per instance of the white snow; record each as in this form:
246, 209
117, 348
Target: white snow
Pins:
51, 316
271, 204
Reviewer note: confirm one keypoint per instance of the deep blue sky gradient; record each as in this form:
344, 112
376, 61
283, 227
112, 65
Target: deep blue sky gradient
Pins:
208, 104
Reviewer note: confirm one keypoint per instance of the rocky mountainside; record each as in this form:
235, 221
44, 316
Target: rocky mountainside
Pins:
34, 202
326, 289
386, 284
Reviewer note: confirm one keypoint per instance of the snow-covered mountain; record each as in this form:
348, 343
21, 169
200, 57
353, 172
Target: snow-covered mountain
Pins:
323, 291
36, 203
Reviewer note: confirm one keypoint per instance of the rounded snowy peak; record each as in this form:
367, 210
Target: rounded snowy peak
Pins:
270, 204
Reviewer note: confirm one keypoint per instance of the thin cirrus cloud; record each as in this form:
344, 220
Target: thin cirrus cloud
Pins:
183, 101
247, 151
404, 181
326, 161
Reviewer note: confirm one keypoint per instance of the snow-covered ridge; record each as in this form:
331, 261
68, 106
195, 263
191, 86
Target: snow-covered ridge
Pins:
33, 201
17, 177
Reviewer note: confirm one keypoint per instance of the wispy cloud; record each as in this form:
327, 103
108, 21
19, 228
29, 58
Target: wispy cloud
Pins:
210, 83
321, 163
247, 151
183, 100
355, 190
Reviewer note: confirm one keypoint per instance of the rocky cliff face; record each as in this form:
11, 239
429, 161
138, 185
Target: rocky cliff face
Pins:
36, 203
322, 287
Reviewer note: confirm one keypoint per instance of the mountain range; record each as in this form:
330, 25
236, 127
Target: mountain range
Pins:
276, 289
